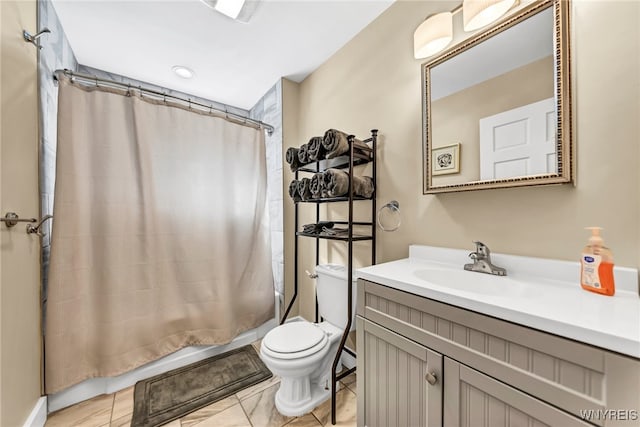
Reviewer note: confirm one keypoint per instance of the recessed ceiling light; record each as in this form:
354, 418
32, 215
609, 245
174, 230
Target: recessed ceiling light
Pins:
183, 72
231, 8
239, 10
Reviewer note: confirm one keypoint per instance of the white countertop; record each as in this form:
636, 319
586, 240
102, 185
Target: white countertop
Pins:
554, 301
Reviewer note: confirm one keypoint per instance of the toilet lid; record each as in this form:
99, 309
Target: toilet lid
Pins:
294, 337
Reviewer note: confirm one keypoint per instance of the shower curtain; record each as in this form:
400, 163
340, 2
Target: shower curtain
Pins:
161, 236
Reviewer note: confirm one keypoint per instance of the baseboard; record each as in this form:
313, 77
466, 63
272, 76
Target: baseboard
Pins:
348, 361
38, 415
97, 386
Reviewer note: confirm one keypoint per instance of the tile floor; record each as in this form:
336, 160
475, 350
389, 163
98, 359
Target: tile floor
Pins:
252, 407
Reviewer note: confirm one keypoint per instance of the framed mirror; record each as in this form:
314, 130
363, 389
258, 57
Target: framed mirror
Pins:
497, 107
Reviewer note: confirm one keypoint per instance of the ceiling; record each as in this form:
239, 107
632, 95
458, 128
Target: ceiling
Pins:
235, 63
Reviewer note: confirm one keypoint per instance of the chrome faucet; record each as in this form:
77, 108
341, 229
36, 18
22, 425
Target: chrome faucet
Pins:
482, 261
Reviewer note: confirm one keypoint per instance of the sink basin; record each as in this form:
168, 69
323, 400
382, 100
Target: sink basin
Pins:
479, 283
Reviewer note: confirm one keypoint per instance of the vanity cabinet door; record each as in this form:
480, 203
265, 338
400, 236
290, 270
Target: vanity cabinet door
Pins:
399, 381
473, 399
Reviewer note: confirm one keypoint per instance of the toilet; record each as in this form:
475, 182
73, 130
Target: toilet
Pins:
301, 353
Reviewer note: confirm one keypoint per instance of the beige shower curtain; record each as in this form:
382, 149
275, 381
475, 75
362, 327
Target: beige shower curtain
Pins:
161, 235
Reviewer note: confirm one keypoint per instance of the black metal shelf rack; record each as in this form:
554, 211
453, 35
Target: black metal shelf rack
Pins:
360, 155
333, 199
355, 238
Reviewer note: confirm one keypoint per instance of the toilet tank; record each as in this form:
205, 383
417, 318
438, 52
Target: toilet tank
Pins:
331, 289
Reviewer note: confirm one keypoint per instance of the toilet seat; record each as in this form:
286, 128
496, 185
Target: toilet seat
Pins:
294, 340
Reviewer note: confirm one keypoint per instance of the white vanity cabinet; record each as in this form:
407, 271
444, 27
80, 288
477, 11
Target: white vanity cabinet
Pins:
425, 363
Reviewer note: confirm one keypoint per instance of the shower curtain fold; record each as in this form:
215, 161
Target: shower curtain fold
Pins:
161, 237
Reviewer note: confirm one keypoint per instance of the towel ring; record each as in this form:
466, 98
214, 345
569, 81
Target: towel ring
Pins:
393, 206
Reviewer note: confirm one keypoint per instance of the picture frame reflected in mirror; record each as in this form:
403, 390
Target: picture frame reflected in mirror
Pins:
446, 160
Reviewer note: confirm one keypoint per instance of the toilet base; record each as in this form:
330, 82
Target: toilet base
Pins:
317, 395
305, 382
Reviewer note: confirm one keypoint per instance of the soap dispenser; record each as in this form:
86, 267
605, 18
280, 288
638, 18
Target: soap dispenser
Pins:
596, 265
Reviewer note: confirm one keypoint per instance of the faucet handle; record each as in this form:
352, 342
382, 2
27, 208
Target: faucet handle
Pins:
482, 249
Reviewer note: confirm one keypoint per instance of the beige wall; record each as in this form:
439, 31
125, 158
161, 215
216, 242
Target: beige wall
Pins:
374, 82
290, 138
20, 349
524, 85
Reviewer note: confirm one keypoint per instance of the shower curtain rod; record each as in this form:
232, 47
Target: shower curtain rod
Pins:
98, 81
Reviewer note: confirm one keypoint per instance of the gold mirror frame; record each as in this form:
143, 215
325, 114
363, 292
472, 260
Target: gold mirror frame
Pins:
562, 90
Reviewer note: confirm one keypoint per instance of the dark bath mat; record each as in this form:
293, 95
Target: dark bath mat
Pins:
172, 395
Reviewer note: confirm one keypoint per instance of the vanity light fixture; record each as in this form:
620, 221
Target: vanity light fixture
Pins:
436, 32
182, 71
479, 13
433, 35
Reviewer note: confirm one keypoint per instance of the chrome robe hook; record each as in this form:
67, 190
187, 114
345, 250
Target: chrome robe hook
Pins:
34, 38
35, 229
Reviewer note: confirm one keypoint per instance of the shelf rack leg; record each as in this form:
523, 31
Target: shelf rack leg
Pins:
317, 246
374, 210
334, 377
345, 334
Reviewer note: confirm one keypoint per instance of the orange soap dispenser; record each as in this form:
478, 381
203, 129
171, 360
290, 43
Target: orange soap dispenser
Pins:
596, 265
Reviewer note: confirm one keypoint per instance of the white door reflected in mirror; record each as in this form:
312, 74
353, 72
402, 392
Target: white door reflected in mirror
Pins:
519, 142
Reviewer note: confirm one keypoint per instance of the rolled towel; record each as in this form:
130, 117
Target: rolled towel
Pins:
315, 148
292, 158
317, 186
336, 182
293, 191
303, 188
336, 143
363, 186
303, 154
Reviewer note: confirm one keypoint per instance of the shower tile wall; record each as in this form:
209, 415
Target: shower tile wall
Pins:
55, 54
269, 110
